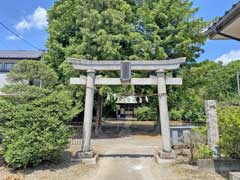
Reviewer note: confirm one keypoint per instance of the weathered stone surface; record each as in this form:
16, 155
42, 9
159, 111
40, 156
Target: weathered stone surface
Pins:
167, 155
90, 161
88, 158
186, 137
135, 65
175, 138
163, 109
133, 81
212, 126
89, 154
88, 112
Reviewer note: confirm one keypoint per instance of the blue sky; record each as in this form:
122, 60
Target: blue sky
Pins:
28, 17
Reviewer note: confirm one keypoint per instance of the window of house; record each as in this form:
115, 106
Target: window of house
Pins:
1, 67
8, 66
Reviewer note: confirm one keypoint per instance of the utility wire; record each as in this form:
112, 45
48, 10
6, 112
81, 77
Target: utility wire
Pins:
19, 36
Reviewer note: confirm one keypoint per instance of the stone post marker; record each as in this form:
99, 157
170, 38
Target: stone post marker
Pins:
212, 126
88, 112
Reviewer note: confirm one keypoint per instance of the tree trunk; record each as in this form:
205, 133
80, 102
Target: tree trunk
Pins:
98, 114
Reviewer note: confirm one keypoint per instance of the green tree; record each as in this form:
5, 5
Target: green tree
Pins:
118, 29
204, 78
171, 28
229, 77
90, 30
32, 72
187, 101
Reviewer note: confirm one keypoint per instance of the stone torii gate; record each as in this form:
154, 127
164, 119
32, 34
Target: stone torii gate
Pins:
161, 80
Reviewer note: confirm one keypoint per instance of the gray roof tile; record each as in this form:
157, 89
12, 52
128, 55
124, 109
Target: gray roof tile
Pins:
20, 54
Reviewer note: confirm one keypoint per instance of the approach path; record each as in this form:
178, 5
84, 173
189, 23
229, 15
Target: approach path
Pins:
126, 157
131, 158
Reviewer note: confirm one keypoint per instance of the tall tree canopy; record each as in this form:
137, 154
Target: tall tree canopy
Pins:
171, 25
123, 29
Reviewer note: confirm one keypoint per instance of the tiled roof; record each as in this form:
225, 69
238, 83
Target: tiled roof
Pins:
127, 100
222, 20
20, 54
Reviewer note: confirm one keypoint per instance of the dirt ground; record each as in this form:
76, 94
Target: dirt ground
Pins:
128, 156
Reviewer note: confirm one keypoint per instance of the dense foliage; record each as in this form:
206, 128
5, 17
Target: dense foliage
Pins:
229, 125
145, 113
35, 129
199, 148
203, 81
32, 72
171, 28
122, 30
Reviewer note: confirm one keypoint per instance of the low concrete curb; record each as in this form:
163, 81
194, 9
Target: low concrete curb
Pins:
234, 176
218, 165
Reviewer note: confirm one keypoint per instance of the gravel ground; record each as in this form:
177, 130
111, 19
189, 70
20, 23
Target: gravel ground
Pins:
121, 158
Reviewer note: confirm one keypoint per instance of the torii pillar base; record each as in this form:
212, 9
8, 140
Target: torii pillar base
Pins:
168, 158
88, 158
167, 155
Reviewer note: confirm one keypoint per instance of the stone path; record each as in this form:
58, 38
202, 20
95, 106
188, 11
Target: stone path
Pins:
131, 158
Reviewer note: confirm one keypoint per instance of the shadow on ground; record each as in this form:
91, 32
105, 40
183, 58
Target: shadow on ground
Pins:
126, 155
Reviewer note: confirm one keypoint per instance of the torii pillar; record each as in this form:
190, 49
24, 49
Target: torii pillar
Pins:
88, 111
167, 152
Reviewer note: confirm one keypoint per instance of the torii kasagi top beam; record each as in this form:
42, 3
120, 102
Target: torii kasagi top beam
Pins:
160, 66
114, 65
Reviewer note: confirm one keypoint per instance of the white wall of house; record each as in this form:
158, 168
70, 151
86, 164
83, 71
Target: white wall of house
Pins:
3, 79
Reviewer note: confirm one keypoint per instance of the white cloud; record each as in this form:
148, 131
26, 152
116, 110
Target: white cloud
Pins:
13, 38
229, 57
36, 20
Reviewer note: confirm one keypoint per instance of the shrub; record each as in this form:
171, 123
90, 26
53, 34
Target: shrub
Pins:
198, 147
203, 152
145, 113
176, 114
229, 125
32, 72
36, 131
24, 94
